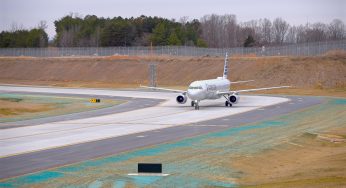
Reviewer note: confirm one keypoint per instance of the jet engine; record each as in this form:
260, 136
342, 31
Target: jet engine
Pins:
181, 99
234, 99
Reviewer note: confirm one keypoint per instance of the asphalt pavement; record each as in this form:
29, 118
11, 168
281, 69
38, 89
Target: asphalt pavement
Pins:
35, 161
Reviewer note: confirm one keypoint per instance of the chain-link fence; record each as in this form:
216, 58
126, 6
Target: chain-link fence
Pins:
305, 49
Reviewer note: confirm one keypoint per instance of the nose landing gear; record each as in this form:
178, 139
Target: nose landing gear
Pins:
195, 104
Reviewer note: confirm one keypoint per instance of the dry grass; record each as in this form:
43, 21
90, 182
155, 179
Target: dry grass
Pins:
21, 107
307, 161
11, 108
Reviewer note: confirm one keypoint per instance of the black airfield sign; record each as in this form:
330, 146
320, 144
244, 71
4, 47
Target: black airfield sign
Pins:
149, 168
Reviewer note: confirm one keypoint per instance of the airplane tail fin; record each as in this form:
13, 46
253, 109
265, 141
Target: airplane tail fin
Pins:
225, 68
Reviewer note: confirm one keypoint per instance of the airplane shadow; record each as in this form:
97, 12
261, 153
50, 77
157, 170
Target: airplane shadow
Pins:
211, 106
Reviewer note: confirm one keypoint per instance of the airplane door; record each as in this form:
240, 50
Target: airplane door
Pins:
210, 90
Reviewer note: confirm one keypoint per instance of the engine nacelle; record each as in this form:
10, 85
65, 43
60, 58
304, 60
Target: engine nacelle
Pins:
234, 99
181, 99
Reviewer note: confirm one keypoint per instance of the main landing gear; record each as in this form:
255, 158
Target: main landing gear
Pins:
227, 102
195, 104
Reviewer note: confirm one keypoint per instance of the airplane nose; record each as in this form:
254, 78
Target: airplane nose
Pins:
191, 94
195, 94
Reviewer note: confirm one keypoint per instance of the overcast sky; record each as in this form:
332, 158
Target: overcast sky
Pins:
28, 13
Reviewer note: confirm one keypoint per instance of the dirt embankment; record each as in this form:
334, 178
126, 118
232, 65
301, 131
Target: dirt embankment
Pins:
322, 72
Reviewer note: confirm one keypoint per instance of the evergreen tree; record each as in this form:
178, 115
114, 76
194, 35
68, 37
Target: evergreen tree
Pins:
173, 39
201, 43
24, 38
249, 41
160, 34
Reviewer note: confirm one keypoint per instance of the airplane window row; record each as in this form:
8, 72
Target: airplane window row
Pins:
196, 87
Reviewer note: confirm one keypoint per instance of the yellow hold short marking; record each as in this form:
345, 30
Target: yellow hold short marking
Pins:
95, 100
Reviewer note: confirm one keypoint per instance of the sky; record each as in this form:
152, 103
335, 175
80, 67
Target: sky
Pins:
28, 13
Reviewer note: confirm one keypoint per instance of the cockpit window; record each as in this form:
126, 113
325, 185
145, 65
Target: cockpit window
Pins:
195, 87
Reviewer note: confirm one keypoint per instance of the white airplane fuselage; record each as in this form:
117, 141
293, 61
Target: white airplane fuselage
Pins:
208, 89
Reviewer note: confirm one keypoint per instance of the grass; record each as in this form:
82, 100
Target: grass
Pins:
315, 182
16, 111
310, 158
11, 99
16, 107
11, 107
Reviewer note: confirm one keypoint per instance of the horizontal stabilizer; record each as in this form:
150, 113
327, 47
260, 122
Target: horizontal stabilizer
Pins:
250, 90
238, 82
260, 89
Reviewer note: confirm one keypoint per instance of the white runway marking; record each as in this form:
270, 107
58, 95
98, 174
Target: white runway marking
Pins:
295, 144
167, 114
209, 125
141, 136
147, 174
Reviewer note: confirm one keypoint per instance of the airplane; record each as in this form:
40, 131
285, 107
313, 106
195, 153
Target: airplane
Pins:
212, 89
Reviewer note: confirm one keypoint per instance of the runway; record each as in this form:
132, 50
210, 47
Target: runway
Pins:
32, 148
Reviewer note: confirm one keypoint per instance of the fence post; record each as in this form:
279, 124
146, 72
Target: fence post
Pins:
152, 74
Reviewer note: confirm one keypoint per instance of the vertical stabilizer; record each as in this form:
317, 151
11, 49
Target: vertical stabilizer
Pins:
225, 68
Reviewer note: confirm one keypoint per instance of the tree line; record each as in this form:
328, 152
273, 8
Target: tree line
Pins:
20, 37
223, 31
118, 31
217, 31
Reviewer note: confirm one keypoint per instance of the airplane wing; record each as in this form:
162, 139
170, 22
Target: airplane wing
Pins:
238, 82
164, 89
249, 90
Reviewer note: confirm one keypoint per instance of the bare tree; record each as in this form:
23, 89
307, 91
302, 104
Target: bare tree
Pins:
245, 30
317, 32
224, 31
336, 30
229, 30
183, 20
291, 36
252, 28
219, 31
280, 28
15, 27
211, 33
68, 36
266, 31
42, 25
300, 34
